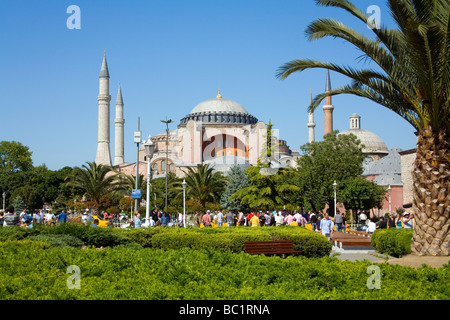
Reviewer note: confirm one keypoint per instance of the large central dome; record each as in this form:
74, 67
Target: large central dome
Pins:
219, 105
219, 111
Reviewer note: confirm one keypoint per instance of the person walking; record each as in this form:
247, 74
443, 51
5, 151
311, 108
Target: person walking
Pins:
10, 218
219, 218
338, 222
398, 221
23, 217
327, 227
197, 220
408, 220
230, 219
371, 227
382, 224
391, 221
62, 217
241, 219
137, 220
206, 219
254, 221
313, 220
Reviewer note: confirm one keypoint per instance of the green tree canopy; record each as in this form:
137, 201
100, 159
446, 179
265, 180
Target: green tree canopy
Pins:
336, 158
203, 184
237, 180
14, 157
358, 193
94, 180
265, 191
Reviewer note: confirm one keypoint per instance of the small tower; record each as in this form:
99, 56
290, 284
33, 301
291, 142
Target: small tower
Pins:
103, 150
311, 123
355, 121
119, 122
328, 108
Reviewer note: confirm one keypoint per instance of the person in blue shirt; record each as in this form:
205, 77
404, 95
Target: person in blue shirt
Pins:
165, 219
137, 221
62, 217
327, 227
95, 224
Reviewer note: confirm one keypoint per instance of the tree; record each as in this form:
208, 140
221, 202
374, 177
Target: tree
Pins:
358, 193
237, 180
203, 184
336, 158
18, 204
265, 190
14, 157
94, 180
413, 81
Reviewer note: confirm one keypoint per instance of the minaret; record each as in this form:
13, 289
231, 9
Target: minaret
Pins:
311, 123
103, 151
119, 136
328, 108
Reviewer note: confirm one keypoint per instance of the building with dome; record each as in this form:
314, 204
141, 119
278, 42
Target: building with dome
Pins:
374, 146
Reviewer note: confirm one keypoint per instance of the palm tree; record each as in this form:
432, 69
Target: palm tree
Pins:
94, 180
413, 81
203, 184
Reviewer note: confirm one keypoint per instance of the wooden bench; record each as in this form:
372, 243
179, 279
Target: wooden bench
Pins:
275, 247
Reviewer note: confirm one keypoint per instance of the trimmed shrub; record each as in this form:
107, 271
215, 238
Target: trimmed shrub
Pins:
58, 240
311, 244
393, 242
33, 269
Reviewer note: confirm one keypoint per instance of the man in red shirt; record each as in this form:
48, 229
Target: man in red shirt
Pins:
206, 220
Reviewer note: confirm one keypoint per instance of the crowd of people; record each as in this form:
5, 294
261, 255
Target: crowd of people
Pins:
320, 222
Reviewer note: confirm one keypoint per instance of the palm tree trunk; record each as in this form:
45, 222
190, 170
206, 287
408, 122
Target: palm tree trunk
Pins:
431, 179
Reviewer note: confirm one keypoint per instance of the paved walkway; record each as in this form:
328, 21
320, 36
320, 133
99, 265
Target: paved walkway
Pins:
410, 260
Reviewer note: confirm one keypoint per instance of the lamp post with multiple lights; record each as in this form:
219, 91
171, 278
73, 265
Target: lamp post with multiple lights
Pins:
167, 154
334, 187
184, 202
149, 150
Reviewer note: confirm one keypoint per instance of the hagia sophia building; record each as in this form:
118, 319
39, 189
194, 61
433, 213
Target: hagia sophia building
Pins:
222, 133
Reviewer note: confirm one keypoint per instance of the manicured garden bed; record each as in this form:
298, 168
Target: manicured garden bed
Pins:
193, 264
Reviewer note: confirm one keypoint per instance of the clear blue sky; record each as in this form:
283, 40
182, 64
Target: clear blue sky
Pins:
169, 55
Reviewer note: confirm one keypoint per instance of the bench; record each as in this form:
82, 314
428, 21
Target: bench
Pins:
274, 247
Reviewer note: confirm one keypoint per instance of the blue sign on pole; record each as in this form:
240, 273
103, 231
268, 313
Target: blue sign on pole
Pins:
136, 193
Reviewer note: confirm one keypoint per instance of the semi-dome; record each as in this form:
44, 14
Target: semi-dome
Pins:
219, 111
373, 144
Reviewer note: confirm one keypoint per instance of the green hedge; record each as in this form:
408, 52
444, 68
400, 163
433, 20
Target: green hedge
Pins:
310, 243
35, 270
393, 242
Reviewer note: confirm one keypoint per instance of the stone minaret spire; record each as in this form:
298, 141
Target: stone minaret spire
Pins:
119, 136
311, 123
328, 108
103, 151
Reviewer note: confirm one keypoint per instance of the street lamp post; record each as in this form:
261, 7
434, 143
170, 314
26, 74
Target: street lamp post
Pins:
184, 202
334, 187
149, 149
167, 153
137, 140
